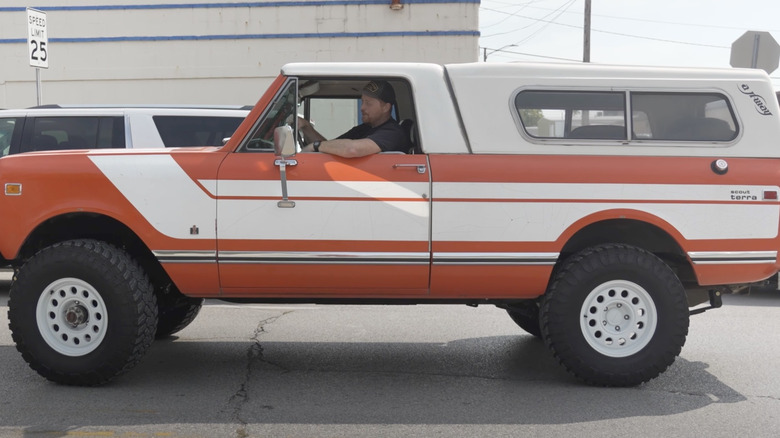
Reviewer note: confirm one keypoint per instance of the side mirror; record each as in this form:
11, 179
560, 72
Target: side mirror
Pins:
284, 141
225, 140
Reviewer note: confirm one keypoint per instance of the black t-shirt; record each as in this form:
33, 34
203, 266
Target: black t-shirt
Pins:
389, 136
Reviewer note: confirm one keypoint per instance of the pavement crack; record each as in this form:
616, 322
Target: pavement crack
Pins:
254, 356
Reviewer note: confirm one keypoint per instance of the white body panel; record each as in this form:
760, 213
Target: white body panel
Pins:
484, 92
504, 212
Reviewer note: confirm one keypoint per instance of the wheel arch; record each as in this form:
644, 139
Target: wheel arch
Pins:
89, 225
633, 228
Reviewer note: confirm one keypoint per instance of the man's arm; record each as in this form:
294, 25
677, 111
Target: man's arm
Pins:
309, 133
346, 148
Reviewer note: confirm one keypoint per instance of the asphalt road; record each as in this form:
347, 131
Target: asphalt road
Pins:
385, 371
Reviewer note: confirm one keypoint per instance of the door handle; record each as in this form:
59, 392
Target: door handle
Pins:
420, 167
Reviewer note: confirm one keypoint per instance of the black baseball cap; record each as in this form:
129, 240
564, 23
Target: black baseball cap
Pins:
381, 90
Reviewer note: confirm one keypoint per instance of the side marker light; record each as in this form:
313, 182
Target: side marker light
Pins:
13, 189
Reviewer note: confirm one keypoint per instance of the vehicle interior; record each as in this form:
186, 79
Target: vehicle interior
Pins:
337, 103
333, 107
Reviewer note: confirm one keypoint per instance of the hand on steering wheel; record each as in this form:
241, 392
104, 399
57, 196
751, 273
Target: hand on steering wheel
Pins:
299, 137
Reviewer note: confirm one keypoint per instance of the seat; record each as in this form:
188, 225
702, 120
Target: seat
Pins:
411, 133
701, 129
599, 132
74, 142
44, 143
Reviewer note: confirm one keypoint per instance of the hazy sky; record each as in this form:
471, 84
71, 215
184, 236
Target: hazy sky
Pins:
696, 33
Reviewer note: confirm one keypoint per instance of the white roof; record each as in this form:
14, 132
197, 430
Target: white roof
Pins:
519, 70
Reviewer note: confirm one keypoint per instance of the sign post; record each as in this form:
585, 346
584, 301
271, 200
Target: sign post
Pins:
37, 45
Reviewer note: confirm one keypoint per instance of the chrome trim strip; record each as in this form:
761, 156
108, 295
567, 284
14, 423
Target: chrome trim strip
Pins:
732, 257
422, 258
331, 258
181, 256
358, 258
495, 258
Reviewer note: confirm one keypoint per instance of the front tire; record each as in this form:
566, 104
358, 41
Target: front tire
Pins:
615, 315
526, 316
175, 312
82, 312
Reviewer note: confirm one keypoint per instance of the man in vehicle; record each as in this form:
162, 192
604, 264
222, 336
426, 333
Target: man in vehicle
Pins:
378, 133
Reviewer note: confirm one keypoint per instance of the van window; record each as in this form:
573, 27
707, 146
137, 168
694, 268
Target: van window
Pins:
572, 114
178, 131
7, 126
54, 133
684, 117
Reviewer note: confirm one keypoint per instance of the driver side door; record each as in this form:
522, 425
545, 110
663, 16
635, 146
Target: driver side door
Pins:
349, 227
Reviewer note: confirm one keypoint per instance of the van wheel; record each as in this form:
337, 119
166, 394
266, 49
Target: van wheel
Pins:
526, 316
175, 312
615, 315
82, 312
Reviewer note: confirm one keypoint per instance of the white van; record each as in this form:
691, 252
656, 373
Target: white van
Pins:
54, 127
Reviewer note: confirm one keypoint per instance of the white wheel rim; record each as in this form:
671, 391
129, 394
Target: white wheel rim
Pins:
618, 318
72, 317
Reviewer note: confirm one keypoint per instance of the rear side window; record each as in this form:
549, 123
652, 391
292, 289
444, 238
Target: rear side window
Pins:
178, 131
55, 133
683, 117
573, 114
656, 116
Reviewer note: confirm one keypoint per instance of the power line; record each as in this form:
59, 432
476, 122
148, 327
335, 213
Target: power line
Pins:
561, 10
571, 2
663, 40
503, 50
641, 20
522, 7
534, 21
616, 33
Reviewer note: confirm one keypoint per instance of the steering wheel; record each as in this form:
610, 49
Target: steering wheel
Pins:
299, 138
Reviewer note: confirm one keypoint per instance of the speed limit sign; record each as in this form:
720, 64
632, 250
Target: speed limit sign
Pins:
37, 38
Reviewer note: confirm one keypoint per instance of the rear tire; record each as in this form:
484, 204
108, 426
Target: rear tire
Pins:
615, 315
82, 312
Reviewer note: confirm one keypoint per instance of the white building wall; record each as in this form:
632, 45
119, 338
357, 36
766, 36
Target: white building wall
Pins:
205, 52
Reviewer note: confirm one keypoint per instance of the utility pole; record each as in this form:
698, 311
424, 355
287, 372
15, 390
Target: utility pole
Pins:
586, 37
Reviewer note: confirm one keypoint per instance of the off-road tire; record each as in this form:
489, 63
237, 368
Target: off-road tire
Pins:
615, 315
175, 312
82, 312
526, 316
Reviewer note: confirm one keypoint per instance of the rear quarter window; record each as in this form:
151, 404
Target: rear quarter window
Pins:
654, 116
572, 114
684, 117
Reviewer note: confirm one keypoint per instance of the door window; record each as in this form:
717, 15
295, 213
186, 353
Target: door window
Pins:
282, 111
